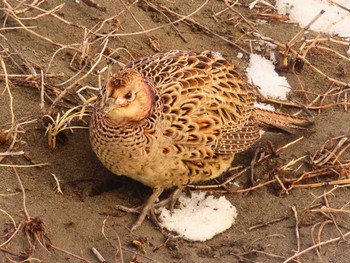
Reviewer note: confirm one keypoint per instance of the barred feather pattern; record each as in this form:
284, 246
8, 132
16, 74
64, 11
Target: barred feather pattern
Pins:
202, 114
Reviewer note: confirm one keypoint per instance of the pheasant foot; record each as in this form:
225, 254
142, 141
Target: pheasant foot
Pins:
148, 209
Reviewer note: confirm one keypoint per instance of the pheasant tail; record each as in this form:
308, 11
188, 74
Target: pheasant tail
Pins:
273, 121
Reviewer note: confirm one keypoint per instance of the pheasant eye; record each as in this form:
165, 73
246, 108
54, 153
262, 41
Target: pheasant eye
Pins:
128, 95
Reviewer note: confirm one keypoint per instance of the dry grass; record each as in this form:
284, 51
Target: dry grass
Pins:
68, 102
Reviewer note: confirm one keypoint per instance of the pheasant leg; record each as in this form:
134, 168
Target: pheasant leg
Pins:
170, 201
146, 209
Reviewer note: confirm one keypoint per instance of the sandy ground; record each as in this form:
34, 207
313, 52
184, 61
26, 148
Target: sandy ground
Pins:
84, 216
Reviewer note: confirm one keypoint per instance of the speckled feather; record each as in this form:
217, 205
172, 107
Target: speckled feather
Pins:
202, 113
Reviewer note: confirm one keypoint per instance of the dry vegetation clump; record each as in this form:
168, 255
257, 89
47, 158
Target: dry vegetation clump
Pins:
66, 93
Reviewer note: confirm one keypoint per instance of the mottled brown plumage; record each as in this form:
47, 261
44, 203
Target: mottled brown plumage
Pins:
177, 118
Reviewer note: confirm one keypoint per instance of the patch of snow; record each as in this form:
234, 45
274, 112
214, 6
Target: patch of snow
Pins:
335, 20
261, 72
200, 217
264, 106
239, 55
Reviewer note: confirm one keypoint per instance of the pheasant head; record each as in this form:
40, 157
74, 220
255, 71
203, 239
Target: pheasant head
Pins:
128, 97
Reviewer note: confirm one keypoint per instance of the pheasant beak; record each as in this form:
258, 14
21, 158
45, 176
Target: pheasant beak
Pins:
113, 103
109, 105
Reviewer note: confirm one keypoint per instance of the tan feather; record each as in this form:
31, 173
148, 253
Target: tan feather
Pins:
280, 121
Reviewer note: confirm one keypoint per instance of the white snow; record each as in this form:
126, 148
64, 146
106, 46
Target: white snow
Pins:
261, 72
335, 20
200, 217
239, 55
264, 106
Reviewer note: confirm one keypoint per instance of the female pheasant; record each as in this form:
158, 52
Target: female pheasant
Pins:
177, 118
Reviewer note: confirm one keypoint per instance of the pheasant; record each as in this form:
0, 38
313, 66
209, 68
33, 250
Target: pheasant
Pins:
177, 118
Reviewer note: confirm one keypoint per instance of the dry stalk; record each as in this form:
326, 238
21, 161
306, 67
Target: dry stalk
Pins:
57, 184
267, 254
10, 49
69, 253
249, 23
24, 165
169, 20
331, 151
45, 12
188, 20
35, 230
7, 88
155, 28
73, 85
226, 8
328, 39
300, 34
23, 258
303, 59
98, 255
329, 215
62, 123
262, 250
333, 51
313, 229
235, 176
11, 135
119, 248
133, 17
296, 228
32, 76
10, 12
273, 221
318, 245
17, 228
27, 6
33, 226
11, 153
330, 165
332, 217
329, 210
310, 106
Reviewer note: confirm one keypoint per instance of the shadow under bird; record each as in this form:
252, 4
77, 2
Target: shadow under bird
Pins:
178, 118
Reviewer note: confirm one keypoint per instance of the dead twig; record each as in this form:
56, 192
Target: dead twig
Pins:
304, 60
332, 240
206, 29
7, 88
98, 255
296, 227
249, 23
10, 12
57, 184
156, 28
235, 176
17, 228
119, 248
73, 85
277, 220
69, 253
